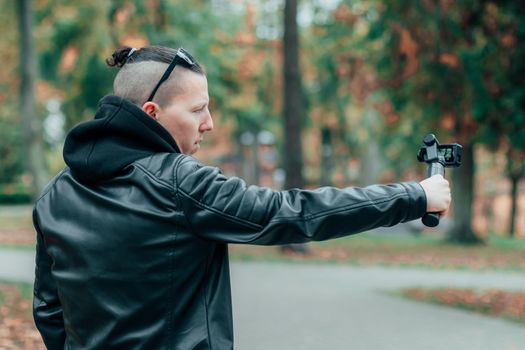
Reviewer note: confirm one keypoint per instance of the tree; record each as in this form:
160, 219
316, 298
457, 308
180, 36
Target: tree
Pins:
32, 131
11, 164
293, 108
434, 60
512, 90
515, 171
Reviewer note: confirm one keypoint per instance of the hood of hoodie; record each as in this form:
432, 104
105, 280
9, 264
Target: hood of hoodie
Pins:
119, 134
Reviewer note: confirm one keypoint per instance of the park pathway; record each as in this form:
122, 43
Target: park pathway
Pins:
306, 307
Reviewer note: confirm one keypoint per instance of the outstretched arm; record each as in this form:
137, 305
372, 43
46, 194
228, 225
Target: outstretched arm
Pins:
227, 210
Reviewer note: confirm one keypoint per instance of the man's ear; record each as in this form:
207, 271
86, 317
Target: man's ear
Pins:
151, 109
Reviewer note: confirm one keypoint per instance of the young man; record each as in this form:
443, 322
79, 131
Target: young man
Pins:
132, 236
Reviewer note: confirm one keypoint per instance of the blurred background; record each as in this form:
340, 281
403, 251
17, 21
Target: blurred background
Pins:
303, 93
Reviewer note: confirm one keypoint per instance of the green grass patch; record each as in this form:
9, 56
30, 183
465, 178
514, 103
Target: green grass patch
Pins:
405, 240
16, 222
16, 227
16, 217
505, 243
404, 250
19, 247
374, 239
25, 288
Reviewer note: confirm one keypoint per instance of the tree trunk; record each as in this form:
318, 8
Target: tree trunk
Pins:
515, 170
462, 197
370, 164
32, 126
293, 109
514, 195
327, 155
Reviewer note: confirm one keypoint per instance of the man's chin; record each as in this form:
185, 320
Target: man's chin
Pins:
196, 147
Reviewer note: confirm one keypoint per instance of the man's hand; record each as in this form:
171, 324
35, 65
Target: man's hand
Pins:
437, 190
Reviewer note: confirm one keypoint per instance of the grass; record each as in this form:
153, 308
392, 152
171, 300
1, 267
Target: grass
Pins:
408, 240
16, 227
19, 247
506, 243
15, 222
25, 288
499, 253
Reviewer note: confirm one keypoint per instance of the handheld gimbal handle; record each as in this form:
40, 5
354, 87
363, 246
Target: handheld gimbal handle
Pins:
438, 157
432, 219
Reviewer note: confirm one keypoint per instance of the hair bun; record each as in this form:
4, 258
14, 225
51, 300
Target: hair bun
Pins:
119, 57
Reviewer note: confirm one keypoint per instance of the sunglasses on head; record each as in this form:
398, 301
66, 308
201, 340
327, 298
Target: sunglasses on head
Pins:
182, 57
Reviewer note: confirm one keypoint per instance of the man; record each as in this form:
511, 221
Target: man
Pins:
132, 236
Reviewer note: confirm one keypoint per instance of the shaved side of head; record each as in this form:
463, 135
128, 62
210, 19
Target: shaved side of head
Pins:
135, 81
141, 70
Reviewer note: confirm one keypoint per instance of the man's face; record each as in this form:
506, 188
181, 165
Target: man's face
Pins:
187, 117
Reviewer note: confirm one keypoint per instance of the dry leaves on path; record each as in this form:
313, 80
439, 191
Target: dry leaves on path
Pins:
17, 237
489, 302
17, 329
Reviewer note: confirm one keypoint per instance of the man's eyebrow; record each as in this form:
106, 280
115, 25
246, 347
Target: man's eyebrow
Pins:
202, 102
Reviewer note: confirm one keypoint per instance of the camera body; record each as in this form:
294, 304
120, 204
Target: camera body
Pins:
449, 155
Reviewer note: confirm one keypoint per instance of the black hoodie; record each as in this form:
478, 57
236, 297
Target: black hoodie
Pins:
119, 134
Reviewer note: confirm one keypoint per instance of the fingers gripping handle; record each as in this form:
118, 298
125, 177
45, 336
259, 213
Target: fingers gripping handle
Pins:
432, 219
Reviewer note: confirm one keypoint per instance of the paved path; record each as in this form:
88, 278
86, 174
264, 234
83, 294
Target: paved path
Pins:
289, 306
282, 306
17, 265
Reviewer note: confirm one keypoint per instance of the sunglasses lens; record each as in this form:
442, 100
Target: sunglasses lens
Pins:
185, 56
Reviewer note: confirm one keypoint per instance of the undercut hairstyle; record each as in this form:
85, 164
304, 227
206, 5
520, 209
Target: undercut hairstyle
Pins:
141, 69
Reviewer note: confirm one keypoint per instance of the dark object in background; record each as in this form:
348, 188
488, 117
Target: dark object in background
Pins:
296, 248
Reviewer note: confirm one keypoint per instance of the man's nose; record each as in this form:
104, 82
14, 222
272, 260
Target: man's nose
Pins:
207, 124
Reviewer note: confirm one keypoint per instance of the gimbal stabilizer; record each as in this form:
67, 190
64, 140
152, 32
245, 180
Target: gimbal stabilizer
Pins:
438, 157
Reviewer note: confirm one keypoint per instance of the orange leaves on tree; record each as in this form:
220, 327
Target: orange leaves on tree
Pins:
134, 41
68, 59
123, 14
449, 59
344, 14
447, 121
407, 48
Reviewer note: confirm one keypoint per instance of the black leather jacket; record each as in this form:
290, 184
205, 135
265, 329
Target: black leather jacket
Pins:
132, 236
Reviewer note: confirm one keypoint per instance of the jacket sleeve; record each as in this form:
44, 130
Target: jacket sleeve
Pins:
227, 210
47, 309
